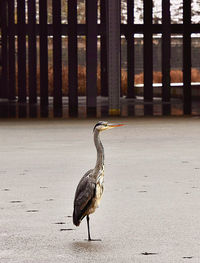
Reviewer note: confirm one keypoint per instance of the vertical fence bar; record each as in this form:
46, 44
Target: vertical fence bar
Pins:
32, 52
11, 52
166, 41
91, 56
113, 49
57, 57
21, 51
148, 52
4, 61
104, 68
43, 57
32, 58
130, 49
72, 58
187, 107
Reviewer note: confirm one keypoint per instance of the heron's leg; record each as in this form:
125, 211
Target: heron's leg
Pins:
88, 227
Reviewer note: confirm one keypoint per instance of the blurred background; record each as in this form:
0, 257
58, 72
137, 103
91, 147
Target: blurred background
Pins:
20, 80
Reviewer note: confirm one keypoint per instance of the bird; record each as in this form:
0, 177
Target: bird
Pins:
90, 188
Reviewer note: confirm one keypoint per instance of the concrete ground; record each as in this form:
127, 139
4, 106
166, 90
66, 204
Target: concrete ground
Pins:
150, 208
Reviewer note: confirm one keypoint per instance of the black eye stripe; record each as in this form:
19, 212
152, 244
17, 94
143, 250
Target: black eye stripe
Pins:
98, 124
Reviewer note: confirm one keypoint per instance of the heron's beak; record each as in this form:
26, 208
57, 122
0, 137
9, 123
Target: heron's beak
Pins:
113, 125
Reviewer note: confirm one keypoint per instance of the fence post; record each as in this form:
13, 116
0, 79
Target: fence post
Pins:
187, 106
104, 68
11, 52
43, 58
4, 49
166, 41
72, 58
130, 49
57, 58
91, 56
113, 49
21, 51
148, 58
32, 53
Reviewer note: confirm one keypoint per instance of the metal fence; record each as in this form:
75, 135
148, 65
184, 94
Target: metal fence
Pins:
18, 24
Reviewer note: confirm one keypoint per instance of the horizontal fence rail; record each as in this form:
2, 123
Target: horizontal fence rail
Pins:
124, 28
25, 56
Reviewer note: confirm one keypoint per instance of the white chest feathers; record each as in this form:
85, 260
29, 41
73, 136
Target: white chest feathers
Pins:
99, 187
98, 191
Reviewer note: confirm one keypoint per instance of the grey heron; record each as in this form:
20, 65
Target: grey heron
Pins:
90, 188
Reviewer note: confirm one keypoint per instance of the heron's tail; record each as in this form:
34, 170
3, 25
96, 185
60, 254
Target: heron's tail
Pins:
76, 218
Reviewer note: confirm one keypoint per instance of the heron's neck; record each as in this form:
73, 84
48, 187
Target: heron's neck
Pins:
100, 151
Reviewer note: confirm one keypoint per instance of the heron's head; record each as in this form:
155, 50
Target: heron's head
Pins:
104, 125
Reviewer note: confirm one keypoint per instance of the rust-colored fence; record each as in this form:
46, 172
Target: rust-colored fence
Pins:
20, 31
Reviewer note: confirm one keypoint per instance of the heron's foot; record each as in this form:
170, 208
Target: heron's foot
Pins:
90, 239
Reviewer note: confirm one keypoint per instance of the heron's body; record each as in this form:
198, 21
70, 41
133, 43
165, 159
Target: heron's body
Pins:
87, 202
90, 188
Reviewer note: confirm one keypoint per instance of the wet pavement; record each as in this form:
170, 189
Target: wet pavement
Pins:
129, 107
150, 208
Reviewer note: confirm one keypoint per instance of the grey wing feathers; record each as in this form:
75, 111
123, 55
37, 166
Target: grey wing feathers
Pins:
84, 193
